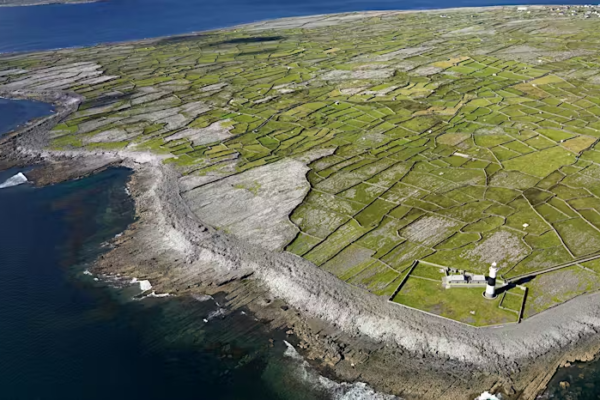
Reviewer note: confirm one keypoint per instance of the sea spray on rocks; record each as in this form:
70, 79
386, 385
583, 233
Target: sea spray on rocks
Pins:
15, 180
145, 285
489, 396
337, 391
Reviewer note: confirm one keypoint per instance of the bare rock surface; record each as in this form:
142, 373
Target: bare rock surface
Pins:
255, 204
57, 77
502, 247
174, 246
199, 136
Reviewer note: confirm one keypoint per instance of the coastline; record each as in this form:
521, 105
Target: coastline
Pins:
178, 253
148, 40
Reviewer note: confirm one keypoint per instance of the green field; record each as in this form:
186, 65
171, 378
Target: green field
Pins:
466, 305
459, 137
424, 291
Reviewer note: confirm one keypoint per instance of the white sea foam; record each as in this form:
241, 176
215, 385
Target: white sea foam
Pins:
144, 285
87, 272
154, 294
202, 297
337, 391
214, 314
488, 396
15, 180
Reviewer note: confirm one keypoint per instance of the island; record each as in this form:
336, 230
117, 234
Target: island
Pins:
414, 196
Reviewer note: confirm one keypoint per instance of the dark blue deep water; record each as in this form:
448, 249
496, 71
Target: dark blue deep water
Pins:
16, 112
65, 336
68, 335
57, 25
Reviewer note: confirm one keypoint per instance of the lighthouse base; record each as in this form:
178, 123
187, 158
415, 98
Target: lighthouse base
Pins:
488, 297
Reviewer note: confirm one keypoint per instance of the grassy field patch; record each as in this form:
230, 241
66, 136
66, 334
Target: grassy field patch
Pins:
541, 163
461, 304
460, 148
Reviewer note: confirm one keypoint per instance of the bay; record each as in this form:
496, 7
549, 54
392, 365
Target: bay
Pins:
13, 113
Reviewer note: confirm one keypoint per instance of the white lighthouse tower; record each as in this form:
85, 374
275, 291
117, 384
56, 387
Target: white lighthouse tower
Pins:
490, 289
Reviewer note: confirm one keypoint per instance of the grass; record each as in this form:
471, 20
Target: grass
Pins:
374, 213
512, 301
461, 304
336, 242
302, 244
579, 235
485, 224
541, 163
253, 188
66, 142
491, 142
579, 144
556, 287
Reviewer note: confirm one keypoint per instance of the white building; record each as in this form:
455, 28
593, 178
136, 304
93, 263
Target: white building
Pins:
456, 279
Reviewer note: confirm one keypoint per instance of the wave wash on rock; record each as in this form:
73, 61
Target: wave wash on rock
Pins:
15, 180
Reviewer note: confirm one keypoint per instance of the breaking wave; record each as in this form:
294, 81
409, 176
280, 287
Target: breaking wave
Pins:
219, 312
202, 297
337, 391
145, 285
15, 180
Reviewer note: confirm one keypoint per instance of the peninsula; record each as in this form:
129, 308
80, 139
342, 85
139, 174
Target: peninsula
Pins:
352, 178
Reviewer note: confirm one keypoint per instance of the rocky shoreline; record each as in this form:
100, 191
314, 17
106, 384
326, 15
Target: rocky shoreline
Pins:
347, 333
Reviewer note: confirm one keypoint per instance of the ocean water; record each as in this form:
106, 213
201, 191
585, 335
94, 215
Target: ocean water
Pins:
59, 25
15, 112
580, 381
67, 334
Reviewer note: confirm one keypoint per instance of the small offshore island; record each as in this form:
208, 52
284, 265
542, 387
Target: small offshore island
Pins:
352, 178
